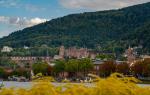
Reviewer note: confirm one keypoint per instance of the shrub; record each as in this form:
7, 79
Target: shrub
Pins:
116, 84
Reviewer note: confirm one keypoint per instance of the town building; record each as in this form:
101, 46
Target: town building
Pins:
27, 62
62, 52
6, 49
130, 55
26, 47
57, 57
145, 57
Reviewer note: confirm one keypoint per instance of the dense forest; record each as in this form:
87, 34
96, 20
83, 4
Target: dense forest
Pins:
112, 30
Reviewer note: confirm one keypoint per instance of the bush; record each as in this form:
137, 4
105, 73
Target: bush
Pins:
2, 73
116, 84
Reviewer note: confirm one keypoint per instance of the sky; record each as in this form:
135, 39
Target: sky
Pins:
18, 14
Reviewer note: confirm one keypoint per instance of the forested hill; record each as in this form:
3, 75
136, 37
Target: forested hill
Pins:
114, 29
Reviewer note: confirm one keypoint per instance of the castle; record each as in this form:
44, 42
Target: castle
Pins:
74, 52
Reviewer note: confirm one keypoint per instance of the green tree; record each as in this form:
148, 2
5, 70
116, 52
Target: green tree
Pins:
2, 73
72, 65
106, 56
40, 67
75, 66
7, 62
59, 67
21, 72
85, 65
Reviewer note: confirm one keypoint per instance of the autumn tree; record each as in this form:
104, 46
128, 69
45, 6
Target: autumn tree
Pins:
107, 68
141, 68
123, 68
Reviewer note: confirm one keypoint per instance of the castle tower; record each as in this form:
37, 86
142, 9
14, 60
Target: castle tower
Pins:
130, 55
62, 51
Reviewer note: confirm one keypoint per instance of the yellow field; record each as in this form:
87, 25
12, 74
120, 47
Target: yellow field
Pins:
113, 85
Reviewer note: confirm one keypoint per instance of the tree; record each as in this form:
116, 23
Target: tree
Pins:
2, 73
7, 62
72, 65
137, 69
141, 68
59, 67
107, 68
106, 56
146, 67
21, 72
85, 65
123, 68
40, 67
146, 70
76, 66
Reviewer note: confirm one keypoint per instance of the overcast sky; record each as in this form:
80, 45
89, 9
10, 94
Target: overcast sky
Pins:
18, 14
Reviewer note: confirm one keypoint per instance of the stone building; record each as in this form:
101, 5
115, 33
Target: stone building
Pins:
129, 54
27, 62
74, 52
62, 52
6, 49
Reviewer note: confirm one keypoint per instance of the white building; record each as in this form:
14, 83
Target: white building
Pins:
57, 57
6, 49
145, 56
25, 47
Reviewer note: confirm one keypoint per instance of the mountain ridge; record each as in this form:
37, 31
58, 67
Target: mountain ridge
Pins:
108, 29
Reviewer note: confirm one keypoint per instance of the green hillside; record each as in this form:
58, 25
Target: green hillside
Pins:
110, 30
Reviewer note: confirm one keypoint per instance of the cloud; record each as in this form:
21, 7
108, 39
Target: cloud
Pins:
3, 19
19, 4
99, 4
21, 22
33, 8
34, 21
9, 3
10, 24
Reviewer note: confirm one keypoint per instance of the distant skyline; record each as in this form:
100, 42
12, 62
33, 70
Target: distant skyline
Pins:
19, 14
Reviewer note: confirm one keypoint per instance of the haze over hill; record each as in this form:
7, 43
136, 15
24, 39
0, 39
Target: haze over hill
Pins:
110, 30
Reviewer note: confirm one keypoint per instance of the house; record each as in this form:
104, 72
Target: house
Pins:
145, 57
6, 49
26, 47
